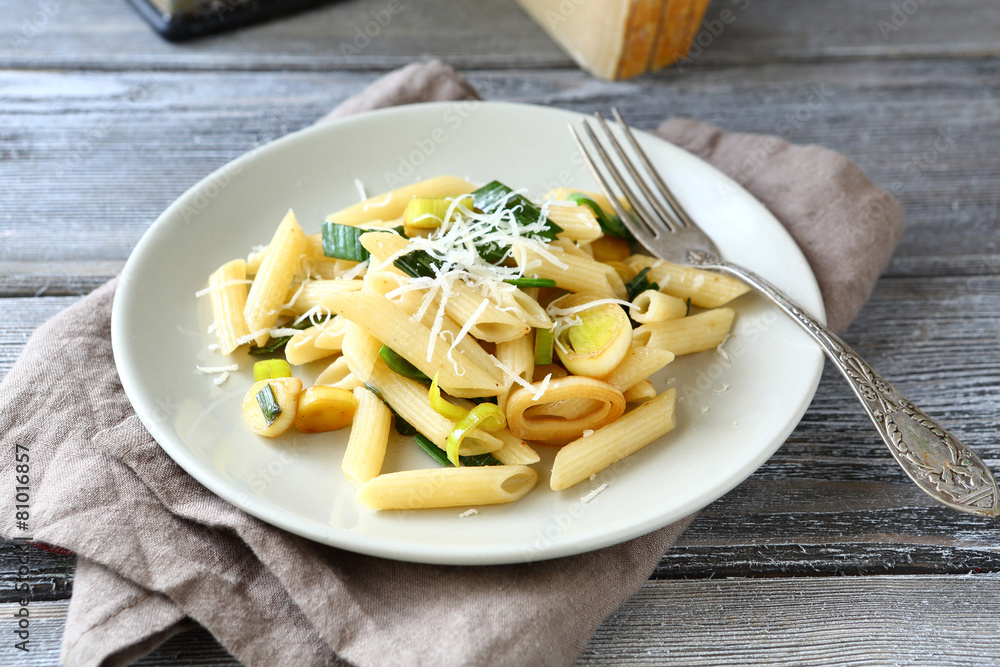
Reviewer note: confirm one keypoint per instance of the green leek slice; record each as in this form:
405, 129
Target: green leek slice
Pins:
270, 369
441, 406
486, 416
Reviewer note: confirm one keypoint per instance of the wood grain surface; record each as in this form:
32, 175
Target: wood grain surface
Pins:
827, 554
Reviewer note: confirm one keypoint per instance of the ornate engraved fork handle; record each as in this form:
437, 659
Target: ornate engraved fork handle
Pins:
935, 460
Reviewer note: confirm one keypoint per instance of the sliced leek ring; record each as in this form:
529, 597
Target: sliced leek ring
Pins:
286, 393
596, 345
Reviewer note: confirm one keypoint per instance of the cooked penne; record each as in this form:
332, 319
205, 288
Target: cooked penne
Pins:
639, 363
270, 285
576, 273
695, 333
447, 487
393, 326
360, 350
518, 357
590, 454
392, 204
640, 392
408, 398
578, 222
228, 293
336, 372
311, 294
705, 288
654, 306
368, 440
318, 341
514, 449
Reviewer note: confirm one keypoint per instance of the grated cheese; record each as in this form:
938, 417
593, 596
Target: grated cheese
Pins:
217, 369
466, 513
593, 494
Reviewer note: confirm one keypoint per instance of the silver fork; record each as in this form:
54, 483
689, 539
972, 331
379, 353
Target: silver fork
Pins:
936, 461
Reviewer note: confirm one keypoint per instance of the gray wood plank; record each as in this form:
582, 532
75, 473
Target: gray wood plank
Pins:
901, 620
487, 34
122, 146
911, 620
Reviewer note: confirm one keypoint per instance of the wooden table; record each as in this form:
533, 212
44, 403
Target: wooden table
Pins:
827, 555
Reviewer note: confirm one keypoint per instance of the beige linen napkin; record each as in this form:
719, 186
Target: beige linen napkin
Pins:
156, 550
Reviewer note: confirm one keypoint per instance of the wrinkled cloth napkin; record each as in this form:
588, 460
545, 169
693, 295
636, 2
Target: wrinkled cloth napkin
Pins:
157, 550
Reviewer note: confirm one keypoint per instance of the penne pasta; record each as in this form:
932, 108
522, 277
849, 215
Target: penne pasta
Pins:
705, 288
391, 205
368, 440
695, 333
228, 293
316, 342
514, 450
654, 306
588, 455
360, 350
639, 363
447, 487
392, 325
270, 285
312, 294
573, 272
578, 222
408, 398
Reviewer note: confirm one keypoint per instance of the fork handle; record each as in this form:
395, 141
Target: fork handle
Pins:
941, 465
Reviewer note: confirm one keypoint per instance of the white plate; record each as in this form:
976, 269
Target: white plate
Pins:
735, 409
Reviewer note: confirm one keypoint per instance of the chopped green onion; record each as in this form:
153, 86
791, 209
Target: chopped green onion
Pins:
441, 406
525, 281
544, 344
417, 264
268, 403
639, 284
271, 369
344, 242
495, 196
399, 365
610, 224
485, 416
370, 387
276, 344
435, 453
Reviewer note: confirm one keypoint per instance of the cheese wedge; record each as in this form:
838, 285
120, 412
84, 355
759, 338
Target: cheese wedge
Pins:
619, 39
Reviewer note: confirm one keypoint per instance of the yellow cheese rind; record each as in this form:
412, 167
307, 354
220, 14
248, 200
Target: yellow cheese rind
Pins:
619, 39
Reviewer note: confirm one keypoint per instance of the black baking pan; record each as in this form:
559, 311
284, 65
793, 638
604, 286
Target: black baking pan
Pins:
198, 18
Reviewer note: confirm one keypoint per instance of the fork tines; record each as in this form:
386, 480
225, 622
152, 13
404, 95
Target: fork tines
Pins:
656, 209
